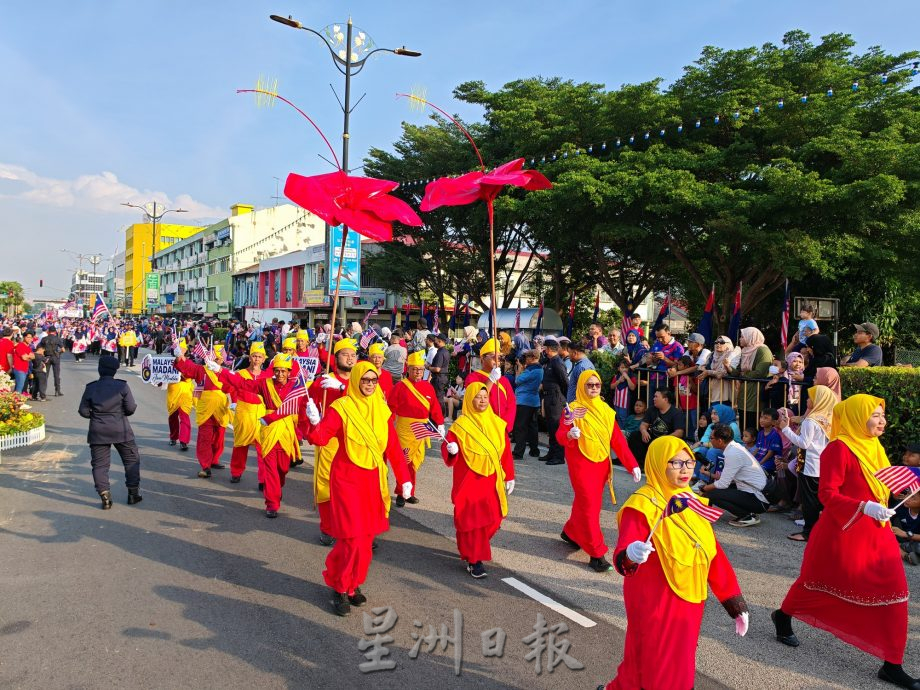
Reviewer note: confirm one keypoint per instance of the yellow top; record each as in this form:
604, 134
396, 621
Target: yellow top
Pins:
849, 426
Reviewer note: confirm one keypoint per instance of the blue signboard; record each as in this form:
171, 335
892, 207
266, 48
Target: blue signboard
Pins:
351, 266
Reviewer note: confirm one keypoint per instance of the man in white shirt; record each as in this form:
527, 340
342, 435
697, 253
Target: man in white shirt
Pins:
745, 499
696, 347
430, 351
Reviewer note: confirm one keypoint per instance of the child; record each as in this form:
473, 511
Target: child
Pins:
632, 422
624, 386
749, 440
686, 387
454, 397
911, 456
701, 426
807, 326
775, 391
769, 443
40, 374
906, 527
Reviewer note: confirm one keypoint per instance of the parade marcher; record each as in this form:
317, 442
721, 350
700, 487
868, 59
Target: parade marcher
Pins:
180, 397
478, 449
331, 387
852, 583
501, 393
587, 440
359, 504
212, 413
278, 438
107, 404
375, 356
413, 400
666, 581
127, 346
248, 409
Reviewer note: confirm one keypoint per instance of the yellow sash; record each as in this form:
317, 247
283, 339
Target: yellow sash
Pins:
481, 454
357, 429
212, 404
415, 447
179, 396
282, 431
418, 396
246, 426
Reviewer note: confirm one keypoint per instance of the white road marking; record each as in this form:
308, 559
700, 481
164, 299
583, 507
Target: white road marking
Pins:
549, 603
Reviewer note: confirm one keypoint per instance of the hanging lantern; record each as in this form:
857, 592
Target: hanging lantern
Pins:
590, 148
804, 99
618, 142
780, 104
604, 145
885, 78
645, 136
565, 154
716, 119
830, 92
736, 115
631, 138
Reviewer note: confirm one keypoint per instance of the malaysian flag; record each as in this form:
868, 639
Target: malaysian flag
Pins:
517, 319
682, 502
569, 415
367, 337
373, 312
784, 322
898, 478
436, 321
291, 402
201, 351
423, 430
99, 307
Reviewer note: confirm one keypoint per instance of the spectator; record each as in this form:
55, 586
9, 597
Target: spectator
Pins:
661, 420
696, 348
807, 327
419, 338
828, 376
580, 363
745, 499
911, 456
614, 346
906, 527
22, 359
636, 324
394, 358
40, 374
596, 339
867, 353
755, 364
769, 443
624, 390
820, 351
430, 351
666, 353
686, 388
634, 421
555, 392
706, 454
440, 363
505, 343
635, 349
454, 398
6, 350
565, 353
726, 358
527, 391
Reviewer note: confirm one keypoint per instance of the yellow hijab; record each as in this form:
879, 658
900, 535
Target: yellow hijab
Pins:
482, 438
365, 425
685, 542
597, 426
849, 426
823, 401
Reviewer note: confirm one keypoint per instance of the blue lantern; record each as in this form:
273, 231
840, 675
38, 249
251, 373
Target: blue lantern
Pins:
680, 129
855, 86
554, 156
645, 136
736, 114
631, 138
830, 92
604, 145
590, 148
780, 104
565, 154
618, 142
661, 133
804, 99
698, 123
543, 160
716, 119
885, 78
757, 110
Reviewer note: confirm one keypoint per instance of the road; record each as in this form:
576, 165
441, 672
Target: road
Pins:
194, 587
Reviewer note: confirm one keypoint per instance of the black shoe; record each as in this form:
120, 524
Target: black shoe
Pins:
218, 466
325, 539
517, 456
297, 463
58, 394
894, 674
600, 565
357, 598
476, 570
400, 502
172, 442
340, 603
783, 625
568, 540
183, 446
134, 496
204, 474
374, 545
544, 458
271, 513
412, 499
235, 480
555, 461
534, 454
106, 497
261, 486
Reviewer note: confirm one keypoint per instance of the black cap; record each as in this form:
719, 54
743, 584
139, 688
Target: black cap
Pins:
108, 365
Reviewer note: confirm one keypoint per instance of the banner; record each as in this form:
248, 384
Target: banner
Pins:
308, 365
159, 369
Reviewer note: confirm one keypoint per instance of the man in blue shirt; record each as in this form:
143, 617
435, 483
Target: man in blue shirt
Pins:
667, 353
867, 353
580, 363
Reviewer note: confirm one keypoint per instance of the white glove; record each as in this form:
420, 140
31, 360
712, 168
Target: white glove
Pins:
212, 365
312, 412
877, 511
741, 623
262, 421
441, 429
574, 432
639, 551
452, 448
637, 475
495, 375
407, 490
233, 407
330, 382
509, 487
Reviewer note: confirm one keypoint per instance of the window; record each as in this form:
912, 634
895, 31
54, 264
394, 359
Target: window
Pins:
212, 294
277, 287
289, 285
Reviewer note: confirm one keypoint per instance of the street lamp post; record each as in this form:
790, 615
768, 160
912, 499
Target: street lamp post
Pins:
349, 55
154, 218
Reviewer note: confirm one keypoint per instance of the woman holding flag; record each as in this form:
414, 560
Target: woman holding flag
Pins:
669, 556
588, 432
477, 448
179, 402
248, 409
852, 583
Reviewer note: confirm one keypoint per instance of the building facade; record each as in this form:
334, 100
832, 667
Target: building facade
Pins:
140, 246
84, 286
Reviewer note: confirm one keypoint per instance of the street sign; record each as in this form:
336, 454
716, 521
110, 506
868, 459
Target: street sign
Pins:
351, 263
153, 287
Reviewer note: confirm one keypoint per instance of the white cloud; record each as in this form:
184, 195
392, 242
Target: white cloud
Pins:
99, 192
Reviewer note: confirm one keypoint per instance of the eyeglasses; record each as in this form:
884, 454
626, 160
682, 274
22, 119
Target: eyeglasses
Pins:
592, 385
370, 382
721, 342
678, 464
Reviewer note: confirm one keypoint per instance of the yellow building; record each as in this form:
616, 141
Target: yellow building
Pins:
140, 245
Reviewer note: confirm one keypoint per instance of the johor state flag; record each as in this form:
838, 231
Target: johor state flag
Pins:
784, 322
663, 313
539, 326
682, 502
899, 478
734, 327
517, 319
705, 327
466, 314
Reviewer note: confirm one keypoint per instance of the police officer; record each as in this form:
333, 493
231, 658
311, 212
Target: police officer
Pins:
53, 349
107, 404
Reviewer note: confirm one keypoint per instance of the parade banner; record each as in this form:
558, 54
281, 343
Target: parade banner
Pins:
309, 365
159, 369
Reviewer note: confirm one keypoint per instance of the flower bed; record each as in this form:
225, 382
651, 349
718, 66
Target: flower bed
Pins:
18, 427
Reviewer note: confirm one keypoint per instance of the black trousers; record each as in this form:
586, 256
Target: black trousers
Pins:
811, 506
525, 429
638, 447
101, 456
55, 364
39, 384
553, 415
737, 502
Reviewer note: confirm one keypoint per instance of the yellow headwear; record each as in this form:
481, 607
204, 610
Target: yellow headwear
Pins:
218, 349
482, 438
823, 401
183, 345
376, 349
288, 344
344, 344
685, 566
257, 348
597, 426
282, 361
849, 426
489, 347
303, 335
366, 426
416, 359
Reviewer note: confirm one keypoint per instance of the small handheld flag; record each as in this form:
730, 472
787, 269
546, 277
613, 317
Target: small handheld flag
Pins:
898, 478
569, 415
367, 338
373, 312
201, 351
291, 401
685, 501
423, 430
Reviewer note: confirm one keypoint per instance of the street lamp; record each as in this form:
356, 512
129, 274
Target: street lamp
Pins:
350, 51
154, 218
94, 259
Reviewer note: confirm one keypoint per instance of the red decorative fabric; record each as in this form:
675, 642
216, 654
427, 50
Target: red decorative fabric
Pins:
485, 186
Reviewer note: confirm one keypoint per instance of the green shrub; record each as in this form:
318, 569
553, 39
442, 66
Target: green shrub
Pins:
606, 364
220, 334
900, 388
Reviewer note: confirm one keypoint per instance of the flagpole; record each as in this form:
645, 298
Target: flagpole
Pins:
669, 309
654, 527
907, 499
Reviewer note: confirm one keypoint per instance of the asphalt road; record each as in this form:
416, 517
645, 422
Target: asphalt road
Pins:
195, 588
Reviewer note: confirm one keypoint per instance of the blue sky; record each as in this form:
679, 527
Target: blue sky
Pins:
111, 101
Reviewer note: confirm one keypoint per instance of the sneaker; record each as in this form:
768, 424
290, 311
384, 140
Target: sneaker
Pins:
25, 407
746, 521
555, 461
340, 603
358, 598
271, 513
235, 480
800, 523
412, 499
204, 474
183, 446
476, 570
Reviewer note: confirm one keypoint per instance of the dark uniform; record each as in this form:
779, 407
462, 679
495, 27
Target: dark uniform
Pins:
107, 403
53, 349
555, 389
